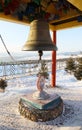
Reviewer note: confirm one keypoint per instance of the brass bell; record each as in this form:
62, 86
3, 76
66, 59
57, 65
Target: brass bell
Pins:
39, 37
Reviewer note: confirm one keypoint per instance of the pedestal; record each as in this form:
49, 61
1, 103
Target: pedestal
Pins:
40, 110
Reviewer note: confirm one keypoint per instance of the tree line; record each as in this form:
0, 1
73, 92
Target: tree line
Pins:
74, 66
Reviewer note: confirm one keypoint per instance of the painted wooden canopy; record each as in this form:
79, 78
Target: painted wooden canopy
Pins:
60, 14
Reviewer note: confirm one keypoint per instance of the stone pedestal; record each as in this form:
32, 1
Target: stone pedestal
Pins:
40, 110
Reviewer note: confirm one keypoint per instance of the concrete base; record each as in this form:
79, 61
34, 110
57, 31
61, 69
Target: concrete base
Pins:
40, 110
40, 95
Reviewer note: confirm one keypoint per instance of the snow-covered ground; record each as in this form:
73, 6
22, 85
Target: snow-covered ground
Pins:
68, 88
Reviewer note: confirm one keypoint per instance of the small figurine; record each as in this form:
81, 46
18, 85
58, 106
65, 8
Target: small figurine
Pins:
40, 82
42, 75
40, 94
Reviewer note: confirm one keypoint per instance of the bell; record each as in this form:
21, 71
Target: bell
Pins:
39, 37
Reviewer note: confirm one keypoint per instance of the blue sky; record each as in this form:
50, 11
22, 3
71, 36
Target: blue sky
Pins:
15, 35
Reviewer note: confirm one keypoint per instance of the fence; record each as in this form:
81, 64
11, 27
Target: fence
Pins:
10, 70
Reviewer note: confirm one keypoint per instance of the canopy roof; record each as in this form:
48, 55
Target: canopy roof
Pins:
60, 14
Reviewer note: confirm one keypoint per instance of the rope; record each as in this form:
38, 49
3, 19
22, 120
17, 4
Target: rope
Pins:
39, 61
10, 54
7, 49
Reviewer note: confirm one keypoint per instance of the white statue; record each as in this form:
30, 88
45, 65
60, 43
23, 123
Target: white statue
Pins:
40, 94
40, 82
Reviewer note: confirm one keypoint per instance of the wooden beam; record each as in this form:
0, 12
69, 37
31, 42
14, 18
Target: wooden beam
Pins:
10, 18
75, 23
65, 25
76, 3
68, 15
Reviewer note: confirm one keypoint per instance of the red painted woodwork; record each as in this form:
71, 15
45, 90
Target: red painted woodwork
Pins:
53, 80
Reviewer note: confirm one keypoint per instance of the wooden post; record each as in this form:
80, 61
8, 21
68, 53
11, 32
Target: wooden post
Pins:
53, 80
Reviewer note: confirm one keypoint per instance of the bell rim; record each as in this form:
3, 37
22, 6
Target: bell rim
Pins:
36, 48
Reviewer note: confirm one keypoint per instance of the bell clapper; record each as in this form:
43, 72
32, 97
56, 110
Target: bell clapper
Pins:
40, 54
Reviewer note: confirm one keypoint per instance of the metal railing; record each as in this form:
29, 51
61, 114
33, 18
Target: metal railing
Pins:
10, 70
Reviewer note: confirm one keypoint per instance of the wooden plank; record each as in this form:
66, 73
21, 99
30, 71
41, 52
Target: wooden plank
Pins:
66, 25
76, 3
10, 18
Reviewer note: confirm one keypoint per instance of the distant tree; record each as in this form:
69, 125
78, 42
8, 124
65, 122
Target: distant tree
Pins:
44, 70
70, 65
3, 84
78, 72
